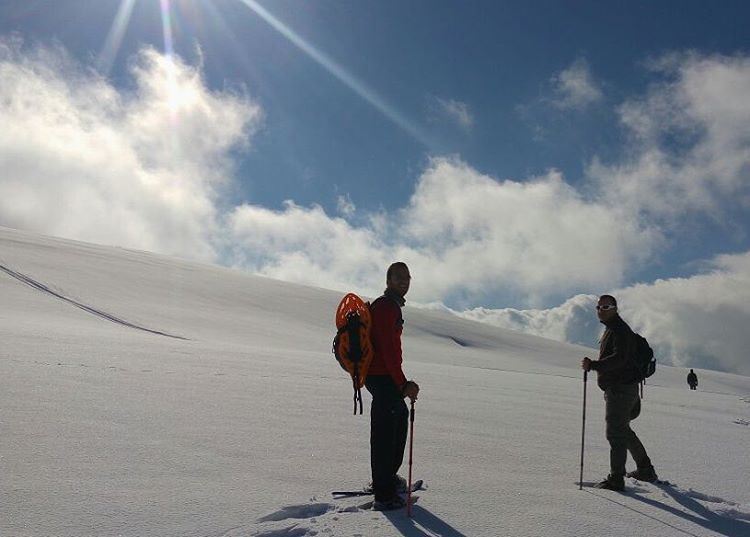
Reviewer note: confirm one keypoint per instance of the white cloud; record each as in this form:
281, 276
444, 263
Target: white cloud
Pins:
308, 246
142, 169
536, 237
688, 154
573, 321
700, 321
456, 111
462, 233
690, 148
575, 87
345, 205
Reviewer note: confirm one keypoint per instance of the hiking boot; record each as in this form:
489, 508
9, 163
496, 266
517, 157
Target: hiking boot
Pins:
612, 483
644, 474
395, 502
401, 485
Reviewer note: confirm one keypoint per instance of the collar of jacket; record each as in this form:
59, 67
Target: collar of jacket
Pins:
614, 322
393, 295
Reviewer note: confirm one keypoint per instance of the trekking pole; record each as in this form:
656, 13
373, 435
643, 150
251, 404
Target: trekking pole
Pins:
411, 450
583, 427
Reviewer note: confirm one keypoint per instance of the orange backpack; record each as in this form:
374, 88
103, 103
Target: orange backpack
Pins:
352, 346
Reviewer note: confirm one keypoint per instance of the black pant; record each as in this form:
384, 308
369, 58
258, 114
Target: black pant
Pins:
389, 420
623, 405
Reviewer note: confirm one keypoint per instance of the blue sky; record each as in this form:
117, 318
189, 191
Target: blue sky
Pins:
321, 138
518, 155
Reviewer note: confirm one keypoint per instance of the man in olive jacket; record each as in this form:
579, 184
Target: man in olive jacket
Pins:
618, 377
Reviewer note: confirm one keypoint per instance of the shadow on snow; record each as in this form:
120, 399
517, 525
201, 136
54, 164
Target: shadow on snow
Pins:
421, 518
696, 513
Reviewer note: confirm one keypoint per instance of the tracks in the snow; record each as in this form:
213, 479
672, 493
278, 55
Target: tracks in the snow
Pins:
39, 286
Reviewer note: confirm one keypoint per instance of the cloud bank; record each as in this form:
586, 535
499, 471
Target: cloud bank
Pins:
700, 321
466, 234
141, 168
573, 321
690, 143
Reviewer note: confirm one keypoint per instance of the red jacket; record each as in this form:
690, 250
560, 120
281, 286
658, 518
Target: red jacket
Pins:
387, 325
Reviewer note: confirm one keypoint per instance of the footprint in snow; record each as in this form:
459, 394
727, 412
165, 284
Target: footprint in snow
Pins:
308, 510
291, 531
740, 421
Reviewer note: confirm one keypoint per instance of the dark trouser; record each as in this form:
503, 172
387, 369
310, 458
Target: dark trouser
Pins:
693, 386
623, 405
389, 420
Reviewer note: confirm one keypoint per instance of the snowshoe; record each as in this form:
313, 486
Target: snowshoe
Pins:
396, 502
647, 474
612, 483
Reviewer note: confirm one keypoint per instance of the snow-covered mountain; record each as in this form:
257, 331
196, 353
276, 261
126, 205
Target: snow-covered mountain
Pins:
145, 395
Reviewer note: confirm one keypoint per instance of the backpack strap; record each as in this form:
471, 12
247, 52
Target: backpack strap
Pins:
357, 392
352, 326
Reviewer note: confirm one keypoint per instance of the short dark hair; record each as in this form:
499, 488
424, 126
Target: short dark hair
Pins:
609, 298
394, 266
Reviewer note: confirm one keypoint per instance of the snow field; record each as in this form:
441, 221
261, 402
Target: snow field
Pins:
244, 427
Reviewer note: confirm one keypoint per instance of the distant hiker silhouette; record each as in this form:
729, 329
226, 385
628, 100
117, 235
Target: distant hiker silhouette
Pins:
618, 376
692, 380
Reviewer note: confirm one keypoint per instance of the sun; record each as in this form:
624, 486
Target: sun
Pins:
368, 94
120, 24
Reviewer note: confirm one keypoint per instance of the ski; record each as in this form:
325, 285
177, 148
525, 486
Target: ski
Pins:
417, 485
661, 482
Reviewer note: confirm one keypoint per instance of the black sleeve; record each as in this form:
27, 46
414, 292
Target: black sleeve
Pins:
619, 357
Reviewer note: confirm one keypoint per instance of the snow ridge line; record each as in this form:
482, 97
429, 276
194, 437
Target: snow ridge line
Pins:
102, 314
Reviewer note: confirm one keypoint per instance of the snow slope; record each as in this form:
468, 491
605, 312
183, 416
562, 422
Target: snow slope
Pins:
144, 395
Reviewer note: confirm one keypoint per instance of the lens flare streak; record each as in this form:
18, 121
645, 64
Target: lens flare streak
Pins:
112, 44
166, 23
339, 72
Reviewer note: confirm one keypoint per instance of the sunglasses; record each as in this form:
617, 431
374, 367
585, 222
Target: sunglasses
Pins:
606, 307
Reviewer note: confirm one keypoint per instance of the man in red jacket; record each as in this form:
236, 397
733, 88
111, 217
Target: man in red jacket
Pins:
388, 386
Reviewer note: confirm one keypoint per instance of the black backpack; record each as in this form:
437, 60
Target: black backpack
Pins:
643, 357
